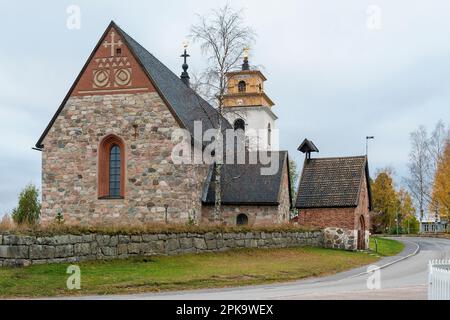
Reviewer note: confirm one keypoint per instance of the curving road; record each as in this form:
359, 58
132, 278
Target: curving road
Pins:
401, 277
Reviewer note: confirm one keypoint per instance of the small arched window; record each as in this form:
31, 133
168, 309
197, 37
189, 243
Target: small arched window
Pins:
239, 124
242, 220
242, 86
111, 168
269, 135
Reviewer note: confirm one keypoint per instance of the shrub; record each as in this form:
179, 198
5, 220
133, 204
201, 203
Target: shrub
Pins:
59, 218
411, 224
29, 209
393, 230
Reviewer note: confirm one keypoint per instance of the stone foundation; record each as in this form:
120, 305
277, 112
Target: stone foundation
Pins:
337, 238
26, 250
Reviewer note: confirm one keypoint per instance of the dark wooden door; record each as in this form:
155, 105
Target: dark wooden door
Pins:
361, 234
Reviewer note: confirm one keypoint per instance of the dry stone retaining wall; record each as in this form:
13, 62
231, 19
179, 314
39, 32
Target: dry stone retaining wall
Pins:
337, 238
18, 250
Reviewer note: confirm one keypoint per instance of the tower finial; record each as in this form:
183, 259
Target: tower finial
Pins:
245, 65
185, 75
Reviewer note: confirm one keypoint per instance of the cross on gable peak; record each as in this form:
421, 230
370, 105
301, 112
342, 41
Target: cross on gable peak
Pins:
113, 43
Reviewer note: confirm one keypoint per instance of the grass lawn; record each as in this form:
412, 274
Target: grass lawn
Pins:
386, 247
231, 268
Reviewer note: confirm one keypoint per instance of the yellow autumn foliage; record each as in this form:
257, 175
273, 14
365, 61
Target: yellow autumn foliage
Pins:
441, 186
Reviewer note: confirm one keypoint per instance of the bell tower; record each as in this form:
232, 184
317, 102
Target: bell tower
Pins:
246, 106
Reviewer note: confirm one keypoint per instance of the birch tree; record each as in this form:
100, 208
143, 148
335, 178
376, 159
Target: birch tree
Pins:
436, 144
424, 158
223, 36
419, 166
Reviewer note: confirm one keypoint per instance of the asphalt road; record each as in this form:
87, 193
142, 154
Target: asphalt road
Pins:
401, 277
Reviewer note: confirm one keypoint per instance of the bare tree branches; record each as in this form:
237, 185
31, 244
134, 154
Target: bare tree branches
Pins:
423, 161
222, 35
436, 144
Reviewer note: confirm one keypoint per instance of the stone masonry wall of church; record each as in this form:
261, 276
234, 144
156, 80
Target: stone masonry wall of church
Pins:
257, 215
70, 160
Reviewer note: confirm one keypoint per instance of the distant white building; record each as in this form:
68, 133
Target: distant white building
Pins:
433, 224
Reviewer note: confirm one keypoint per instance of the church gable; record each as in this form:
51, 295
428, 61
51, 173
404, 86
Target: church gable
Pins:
120, 65
112, 69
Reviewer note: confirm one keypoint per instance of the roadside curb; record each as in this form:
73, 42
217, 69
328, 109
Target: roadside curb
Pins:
392, 262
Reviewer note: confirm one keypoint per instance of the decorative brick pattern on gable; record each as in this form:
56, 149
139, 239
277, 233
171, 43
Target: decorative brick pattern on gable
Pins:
112, 72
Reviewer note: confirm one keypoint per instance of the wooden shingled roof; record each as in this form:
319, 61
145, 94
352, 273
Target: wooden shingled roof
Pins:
332, 182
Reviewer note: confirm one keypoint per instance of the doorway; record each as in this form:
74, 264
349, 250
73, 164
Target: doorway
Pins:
362, 234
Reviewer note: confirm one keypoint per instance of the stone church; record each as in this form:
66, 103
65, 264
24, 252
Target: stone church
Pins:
106, 153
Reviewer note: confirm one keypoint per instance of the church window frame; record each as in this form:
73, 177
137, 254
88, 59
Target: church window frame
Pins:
111, 168
239, 124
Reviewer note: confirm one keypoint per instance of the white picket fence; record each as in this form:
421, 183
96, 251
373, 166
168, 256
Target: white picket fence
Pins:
439, 280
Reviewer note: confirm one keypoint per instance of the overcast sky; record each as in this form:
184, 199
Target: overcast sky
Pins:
335, 71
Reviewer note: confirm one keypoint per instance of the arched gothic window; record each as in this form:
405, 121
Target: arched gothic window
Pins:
114, 171
242, 220
111, 168
239, 124
242, 86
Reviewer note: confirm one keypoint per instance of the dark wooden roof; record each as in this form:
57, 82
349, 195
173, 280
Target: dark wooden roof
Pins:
332, 182
184, 103
243, 184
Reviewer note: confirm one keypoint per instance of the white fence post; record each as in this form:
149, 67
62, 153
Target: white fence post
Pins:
439, 280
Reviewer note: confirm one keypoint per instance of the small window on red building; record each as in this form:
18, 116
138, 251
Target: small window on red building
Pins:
111, 168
